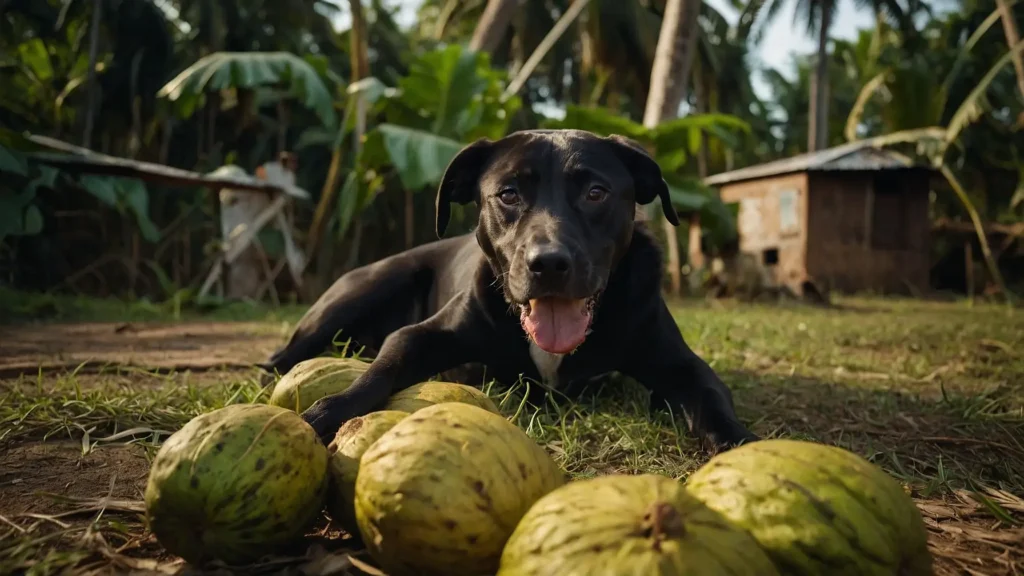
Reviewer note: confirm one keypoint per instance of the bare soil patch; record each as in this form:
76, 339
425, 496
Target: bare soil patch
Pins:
34, 476
28, 349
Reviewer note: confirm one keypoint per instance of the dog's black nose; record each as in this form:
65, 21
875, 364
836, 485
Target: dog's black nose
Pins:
548, 261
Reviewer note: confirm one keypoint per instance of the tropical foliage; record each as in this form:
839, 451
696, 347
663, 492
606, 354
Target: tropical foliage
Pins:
199, 84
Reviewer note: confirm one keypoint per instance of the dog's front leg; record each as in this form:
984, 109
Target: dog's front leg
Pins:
409, 355
660, 360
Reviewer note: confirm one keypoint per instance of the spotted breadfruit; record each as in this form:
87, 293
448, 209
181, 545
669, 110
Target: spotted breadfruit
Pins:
440, 493
426, 394
348, 446
311, 380
629, 525
817, 509
236, 484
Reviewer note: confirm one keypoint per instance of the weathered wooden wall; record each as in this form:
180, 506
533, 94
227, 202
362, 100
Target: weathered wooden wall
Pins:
849, 231
869, 231
772, 217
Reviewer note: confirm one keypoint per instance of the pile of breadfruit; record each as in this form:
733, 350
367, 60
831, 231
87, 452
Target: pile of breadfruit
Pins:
439, 483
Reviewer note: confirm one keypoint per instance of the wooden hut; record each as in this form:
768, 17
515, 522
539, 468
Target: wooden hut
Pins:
851, 218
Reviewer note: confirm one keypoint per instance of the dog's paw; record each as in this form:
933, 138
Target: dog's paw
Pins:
318, 418
266, 379
724, 440
267, 367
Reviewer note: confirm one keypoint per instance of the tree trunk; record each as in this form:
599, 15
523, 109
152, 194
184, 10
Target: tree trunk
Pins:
545, 46
673, 60
1012, 39
94, 48
700, 101
817, 126
358, 51
360, 61
493, 24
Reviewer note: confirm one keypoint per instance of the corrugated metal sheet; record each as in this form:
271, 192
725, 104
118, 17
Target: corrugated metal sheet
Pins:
852, 156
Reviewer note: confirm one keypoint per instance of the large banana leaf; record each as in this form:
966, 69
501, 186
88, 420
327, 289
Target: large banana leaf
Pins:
452, 92
680, 133
21, 177
691, 195
19, 180
13, 162
124, 194
18, 215
419, 157
686, 131
600, 121
223, 70
672, 142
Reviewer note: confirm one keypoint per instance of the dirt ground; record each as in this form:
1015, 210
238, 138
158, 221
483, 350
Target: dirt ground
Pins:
83, 498
192, 346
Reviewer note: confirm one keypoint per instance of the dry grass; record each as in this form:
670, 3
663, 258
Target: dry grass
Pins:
932, 393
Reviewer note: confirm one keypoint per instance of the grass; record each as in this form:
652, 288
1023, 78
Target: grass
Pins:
933, 393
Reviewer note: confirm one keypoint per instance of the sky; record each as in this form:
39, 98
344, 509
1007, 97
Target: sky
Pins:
782, 38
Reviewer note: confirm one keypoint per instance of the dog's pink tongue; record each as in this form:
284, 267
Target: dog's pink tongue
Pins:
557, 325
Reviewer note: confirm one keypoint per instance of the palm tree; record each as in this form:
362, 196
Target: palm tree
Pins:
953, 121
723, 84
604, 58
670, 74
493, 24
817, 14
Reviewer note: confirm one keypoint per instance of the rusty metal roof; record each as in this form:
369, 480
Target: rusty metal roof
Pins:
853, 156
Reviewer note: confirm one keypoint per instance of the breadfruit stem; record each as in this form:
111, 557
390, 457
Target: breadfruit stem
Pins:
662, 521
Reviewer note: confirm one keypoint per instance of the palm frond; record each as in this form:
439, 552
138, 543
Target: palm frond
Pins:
974, 38
973, 107
979, 230
930, 141
869, 89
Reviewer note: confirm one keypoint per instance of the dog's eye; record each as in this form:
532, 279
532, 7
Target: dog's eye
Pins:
508, 196
596, 194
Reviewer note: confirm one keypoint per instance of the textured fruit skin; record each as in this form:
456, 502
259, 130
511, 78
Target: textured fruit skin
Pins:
311, 380
620, 525
817, 509
426, 394
236, 484
348, 446
440, 493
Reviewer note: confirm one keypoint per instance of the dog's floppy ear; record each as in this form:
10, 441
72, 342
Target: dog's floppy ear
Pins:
646, 174
461, 180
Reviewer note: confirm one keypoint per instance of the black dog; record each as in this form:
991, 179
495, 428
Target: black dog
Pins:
558, 284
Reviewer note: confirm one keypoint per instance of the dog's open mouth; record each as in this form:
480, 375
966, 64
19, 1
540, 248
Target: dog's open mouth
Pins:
558, 325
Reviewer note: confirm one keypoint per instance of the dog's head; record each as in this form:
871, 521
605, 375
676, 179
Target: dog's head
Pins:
556, 216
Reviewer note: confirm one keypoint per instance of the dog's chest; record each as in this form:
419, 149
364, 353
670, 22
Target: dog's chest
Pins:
547, 365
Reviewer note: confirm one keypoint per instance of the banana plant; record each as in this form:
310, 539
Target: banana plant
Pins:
933, 143
451, 97
227, 70
22, 176
673, 144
